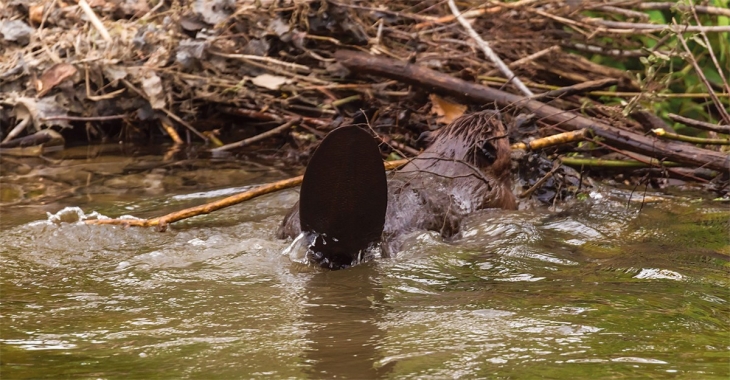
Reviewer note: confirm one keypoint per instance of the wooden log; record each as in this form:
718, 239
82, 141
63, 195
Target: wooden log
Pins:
416, 75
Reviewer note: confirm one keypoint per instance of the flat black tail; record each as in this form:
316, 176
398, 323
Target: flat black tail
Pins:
344, 196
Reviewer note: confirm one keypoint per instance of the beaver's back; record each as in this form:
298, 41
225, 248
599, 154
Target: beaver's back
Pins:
466, 168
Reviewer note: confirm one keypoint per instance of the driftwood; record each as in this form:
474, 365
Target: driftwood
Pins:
162, 221
416, 75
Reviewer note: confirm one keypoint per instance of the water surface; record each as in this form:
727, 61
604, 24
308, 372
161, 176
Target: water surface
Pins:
595, 289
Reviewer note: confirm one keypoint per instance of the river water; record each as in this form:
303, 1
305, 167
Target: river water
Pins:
597, 288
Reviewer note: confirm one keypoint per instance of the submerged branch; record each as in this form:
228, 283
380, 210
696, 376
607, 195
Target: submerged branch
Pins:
162, 221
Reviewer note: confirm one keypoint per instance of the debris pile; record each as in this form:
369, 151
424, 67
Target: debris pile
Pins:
217, 71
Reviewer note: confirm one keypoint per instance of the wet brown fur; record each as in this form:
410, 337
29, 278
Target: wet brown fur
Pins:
466, 169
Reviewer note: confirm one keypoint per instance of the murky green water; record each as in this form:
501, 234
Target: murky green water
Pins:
597, 290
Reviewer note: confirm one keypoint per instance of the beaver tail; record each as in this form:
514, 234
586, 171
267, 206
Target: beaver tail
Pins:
344, 197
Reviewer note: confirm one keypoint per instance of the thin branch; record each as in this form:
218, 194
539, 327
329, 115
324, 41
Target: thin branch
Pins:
468, 14
529, 58
682, 7
720, 107
627, 164
250, 57
167, 112
258, 137
700, 124
84, 118
621, 27
207, 208
609, 51
488, 51
577, 89
690, 139
95, 20
528, 192
170, 130
151, 12
17, 129
621, 11
618, 94
708, 45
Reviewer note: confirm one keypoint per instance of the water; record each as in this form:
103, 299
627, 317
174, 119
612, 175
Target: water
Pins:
598, 290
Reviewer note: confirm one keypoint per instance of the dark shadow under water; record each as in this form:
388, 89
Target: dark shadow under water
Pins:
343, 335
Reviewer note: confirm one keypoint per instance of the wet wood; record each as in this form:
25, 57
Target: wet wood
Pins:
413, 74
207, 208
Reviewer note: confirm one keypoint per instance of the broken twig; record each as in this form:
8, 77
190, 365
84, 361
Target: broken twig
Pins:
488, 50
694, 140
700, 124
560, 138
258, 137
207, 208
95, 20
577, 89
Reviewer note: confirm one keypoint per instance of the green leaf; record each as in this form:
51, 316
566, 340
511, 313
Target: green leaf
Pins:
657, 17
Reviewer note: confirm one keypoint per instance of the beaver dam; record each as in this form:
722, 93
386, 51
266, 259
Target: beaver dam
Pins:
511, 189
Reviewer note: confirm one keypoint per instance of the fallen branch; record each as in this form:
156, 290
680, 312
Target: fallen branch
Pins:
700, 124
614, 164
528, 192
617, 94
524, 60
690, 139
488, 50
95, 20
445, 84
207, 208
258, 137
560, 138
577, 89
162, 221
682, 7
622, 27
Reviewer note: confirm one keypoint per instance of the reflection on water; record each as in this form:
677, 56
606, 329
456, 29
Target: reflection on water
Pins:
596, 290
342, 314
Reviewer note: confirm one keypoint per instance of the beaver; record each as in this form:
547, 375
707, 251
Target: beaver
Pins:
347, 207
